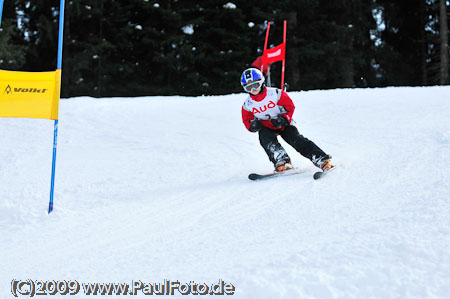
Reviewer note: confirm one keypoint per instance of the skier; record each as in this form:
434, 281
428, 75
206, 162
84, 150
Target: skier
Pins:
269, 111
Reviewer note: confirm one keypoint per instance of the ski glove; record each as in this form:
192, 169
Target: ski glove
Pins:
255, 126
280, 121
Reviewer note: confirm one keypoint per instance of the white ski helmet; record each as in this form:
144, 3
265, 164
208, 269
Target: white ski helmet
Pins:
252, 79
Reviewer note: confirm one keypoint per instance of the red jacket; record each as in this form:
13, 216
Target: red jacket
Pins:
267, 105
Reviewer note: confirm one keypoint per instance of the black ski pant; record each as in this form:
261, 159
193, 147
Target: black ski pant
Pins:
269, 141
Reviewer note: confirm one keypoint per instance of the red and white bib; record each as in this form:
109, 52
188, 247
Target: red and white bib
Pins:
267, 108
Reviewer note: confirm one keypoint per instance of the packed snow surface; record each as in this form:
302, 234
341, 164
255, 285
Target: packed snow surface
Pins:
156, 188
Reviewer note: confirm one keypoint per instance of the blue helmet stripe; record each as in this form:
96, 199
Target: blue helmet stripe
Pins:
251, 74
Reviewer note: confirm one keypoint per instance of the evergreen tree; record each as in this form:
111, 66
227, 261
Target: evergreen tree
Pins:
12, 43
443, 40
221, 40
91, 38
401, 53
40, 28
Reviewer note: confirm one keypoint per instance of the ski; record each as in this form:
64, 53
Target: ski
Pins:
256, 176
318, 175
321, 174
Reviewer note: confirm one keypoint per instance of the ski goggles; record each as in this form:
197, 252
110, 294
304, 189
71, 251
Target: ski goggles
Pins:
252, 86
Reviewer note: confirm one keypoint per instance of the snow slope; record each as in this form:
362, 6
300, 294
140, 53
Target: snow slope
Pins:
156, 188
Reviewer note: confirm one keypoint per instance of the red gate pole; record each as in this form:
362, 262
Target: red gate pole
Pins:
265, 46
284, 58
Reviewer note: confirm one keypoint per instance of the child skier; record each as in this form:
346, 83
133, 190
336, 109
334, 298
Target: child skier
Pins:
269, 111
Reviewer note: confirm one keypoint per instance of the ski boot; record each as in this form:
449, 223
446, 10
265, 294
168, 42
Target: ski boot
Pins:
326, 166
283, 166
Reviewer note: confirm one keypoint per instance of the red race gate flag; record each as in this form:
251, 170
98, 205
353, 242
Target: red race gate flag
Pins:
274, 54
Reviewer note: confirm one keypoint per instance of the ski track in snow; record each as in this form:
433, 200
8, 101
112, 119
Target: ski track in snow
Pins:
156, 187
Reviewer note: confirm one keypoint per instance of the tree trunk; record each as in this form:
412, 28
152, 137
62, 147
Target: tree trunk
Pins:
348, 67
423, 45
444, 42
100, 54
292, 58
